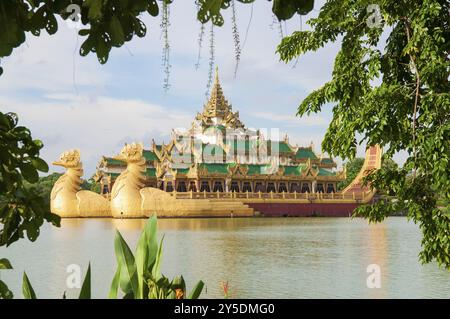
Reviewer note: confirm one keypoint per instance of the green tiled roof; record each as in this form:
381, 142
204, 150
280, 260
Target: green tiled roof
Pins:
283, 147
254, 169
114, 162
248, 145
241, 146
327, 161
150, 156
293, 170
212, 150
213, 127
216, 168
305, 153
150, 172
325, 172
182, 170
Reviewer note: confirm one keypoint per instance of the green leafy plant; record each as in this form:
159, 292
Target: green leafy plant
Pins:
85, 292
138, 276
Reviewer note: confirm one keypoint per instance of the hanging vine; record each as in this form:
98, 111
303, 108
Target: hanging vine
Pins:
211, 60
200, 41
301, 29
279, 26
237, 42
165, 23
248, 27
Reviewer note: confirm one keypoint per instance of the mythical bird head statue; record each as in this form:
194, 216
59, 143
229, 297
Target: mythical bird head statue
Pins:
131, 153
69, 159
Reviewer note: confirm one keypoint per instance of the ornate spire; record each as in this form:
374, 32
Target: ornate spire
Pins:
218, 108
216, 76
217, 105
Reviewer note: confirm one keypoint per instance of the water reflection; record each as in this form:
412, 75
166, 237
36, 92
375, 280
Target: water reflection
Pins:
259, 257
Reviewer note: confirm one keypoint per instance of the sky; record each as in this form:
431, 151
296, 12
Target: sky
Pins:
69, 101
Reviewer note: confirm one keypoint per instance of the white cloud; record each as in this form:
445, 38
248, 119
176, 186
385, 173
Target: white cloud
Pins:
292, 120
95, 126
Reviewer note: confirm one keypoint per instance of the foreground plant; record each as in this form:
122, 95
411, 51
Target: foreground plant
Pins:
138, 276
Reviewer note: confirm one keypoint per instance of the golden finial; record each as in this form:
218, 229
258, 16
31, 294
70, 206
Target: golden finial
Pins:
216, 76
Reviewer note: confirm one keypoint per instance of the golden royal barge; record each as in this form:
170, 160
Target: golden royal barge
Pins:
217, 168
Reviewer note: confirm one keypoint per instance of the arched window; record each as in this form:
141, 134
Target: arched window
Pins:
234, 187
105, 189
282, 187
181, 187
218, 187
169, 187
294, 187
305, 188
320, 188
192, 186
204, 187
330, 188
259, 187
247, 187
271, 187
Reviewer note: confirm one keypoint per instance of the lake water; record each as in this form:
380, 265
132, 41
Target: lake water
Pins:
259, 257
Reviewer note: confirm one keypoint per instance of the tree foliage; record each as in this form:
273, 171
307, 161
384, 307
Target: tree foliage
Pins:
397, 97
353, 167
107, 24
22, 209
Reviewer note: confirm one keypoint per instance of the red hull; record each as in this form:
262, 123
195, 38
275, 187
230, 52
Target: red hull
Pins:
304, 210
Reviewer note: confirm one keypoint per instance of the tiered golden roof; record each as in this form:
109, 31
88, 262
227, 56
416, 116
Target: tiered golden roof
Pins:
218, 108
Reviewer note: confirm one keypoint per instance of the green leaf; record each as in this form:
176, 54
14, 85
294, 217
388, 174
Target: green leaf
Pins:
195, 293
29, 172
84, 32
27, 289
52, 24
5, 293
5, 264
85, 292
128, 274
153, 8
210, 9
115, 284
305, 6
156, 270
116, 32
87, 45
95, 9
39, 164
146, 250
102, 49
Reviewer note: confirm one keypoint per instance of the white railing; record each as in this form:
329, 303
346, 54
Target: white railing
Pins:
360, 196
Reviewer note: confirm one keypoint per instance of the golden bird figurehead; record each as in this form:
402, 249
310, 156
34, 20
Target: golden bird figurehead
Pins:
131, 153
69, 159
